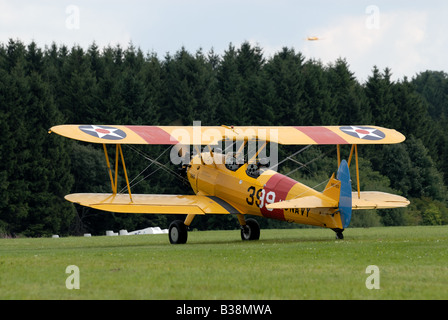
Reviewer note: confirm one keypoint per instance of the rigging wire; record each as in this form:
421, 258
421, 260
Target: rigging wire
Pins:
163, 166
290, 157
309, 162
153, 161
305, 165
184, 180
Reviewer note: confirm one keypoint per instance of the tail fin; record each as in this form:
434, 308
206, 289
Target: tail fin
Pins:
337, 194
345, 197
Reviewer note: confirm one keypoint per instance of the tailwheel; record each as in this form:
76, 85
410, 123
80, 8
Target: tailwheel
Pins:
250, 231
339, 234
177, 232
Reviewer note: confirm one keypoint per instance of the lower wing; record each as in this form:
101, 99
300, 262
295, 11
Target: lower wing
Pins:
153, 203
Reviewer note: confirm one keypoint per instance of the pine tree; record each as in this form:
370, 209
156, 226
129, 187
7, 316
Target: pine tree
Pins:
34, 58
47, 168
78, 97
13, 142
379, 93
35, 186
151, 73
433, 86
250, 61
187, 84
316, 97
350, 104
230, 104
284, 71
412, 113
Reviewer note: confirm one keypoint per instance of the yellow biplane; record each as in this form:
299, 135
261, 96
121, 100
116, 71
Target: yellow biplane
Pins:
236, 179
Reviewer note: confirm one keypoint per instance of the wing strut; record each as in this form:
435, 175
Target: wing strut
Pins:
114, 182
357, 171
355, 148
109, 169
338, 149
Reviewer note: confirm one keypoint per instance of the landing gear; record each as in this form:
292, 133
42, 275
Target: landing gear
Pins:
339, 234
177, 232
250, 231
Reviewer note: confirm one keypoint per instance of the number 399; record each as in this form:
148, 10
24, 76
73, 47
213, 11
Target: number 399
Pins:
259, 197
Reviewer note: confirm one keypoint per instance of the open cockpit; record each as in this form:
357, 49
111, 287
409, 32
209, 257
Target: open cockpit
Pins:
250, 156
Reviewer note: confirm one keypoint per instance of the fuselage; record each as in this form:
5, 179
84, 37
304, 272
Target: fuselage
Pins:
250, 191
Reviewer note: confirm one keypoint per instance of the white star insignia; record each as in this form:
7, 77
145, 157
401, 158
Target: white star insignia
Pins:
363, 132
101, 132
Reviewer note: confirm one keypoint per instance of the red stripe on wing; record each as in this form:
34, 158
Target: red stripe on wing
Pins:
153, 134
322, 135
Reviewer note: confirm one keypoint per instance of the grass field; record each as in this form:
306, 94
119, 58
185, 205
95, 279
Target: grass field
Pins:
283, 264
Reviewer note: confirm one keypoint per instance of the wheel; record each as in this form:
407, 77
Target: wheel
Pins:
251, 231
339, 234
177, 232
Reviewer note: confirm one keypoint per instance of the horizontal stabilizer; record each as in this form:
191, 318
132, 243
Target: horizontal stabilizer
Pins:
368, 200
378, 200
305, 202
153, 203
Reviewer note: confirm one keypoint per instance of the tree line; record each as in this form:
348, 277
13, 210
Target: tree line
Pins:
43, 87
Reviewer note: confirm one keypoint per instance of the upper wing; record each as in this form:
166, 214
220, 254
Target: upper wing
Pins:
205, 135
153, 203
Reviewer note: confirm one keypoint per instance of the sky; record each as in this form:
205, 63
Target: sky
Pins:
406, 36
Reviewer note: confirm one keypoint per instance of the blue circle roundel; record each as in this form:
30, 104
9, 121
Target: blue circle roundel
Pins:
103, 132
365, 133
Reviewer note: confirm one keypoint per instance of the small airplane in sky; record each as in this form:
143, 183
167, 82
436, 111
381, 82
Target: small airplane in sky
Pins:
313, 38
232, 175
